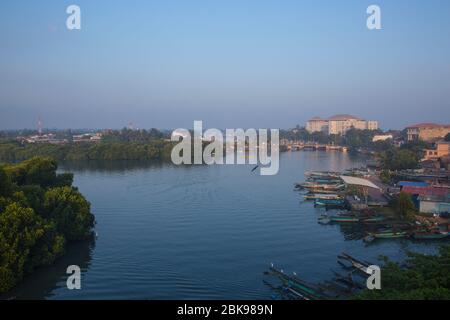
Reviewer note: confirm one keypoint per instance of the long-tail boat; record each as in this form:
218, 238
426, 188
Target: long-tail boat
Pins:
329, 202
322, 196
433, 235
389, 234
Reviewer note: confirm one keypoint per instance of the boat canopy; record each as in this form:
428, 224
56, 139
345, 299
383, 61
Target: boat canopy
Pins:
359, 182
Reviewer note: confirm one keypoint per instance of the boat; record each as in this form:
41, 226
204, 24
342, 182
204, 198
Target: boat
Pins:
330, 174
319, 186
325, 181
329, 202
389, 235
434, 235
322, 196
357, 264
329, 219
309, 291
373, 219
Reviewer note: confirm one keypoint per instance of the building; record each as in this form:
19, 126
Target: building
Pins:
435, 204
382, 137
339, 124
442, 149
317, 124
429, 132
87, 137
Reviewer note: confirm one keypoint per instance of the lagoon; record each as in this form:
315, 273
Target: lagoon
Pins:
202, 232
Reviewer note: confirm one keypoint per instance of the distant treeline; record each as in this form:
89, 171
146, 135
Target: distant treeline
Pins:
40, 212
155, 150
115, 145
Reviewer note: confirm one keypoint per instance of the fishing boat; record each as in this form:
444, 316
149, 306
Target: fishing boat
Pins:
389, 235
309, 291
325, 181
433, 235
322, 173
322, 196
338, 219
357, 264
329, 202
373, 219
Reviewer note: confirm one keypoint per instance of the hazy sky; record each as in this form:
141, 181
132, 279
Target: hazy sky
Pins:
230, 63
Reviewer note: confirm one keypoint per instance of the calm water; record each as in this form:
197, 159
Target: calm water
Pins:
201, 232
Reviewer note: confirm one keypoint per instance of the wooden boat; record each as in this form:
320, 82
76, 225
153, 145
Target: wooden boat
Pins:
329, 202
331, 174
357, 264
338, 219
325, 181
389, 235
309, 291
373, 219
434, 235
322, 196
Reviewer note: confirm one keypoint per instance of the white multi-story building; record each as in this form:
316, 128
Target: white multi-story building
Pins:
339, 124
317, 124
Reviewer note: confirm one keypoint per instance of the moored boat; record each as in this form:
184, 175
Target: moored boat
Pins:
434, 235
389, 235
329, 202
322, 196
328, 219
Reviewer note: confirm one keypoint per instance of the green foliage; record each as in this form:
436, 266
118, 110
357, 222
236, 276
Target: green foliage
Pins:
110, 149
39, 212
71, 212
5, 182
398, 159
427, 277
404, 206
385, 176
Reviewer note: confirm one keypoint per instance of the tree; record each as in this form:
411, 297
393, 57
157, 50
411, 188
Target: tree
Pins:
39, 212
70, 211
425, 278
5, 183
24, 237
394, 159
404, 206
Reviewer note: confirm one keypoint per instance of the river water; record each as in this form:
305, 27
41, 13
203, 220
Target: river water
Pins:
201, 232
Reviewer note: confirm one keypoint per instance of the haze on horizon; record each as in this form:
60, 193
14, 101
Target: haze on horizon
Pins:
230, 63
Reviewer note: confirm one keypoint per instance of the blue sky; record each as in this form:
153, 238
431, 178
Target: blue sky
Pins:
230, 63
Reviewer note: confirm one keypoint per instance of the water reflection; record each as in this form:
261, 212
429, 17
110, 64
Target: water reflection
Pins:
43, 282
111, 166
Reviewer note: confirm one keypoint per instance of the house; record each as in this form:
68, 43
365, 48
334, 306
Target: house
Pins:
435, 204
429, 132
442, 149
382, 137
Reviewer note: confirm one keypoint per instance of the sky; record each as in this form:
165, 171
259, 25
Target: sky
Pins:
230, 63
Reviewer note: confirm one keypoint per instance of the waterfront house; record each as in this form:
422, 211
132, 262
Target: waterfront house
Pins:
442, 149
435, 204
429, 132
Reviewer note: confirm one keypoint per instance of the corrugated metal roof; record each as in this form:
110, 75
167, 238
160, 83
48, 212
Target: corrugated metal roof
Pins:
359, 182
425, 191
412, 184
